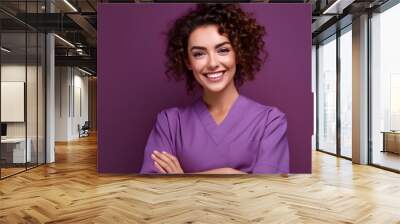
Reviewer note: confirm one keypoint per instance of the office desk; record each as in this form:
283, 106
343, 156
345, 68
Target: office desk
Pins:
13, 150
391, 141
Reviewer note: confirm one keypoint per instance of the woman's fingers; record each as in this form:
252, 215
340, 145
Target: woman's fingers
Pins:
167, 161
175, 161
167, 166
159, 167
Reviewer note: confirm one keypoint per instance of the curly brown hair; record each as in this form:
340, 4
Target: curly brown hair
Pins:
242, 30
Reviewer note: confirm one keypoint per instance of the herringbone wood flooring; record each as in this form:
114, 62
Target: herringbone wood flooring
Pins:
71, 191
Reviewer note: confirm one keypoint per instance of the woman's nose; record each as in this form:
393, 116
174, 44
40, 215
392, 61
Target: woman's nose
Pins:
213, 62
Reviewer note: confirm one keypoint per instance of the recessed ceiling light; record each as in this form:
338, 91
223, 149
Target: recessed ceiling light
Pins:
5, 50
64, 40
337, 7
86, 72
70, 5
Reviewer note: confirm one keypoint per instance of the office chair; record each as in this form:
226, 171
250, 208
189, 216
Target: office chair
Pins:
84, 130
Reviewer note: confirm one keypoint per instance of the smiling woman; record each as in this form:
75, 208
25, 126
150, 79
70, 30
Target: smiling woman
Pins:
217, 47
211, 59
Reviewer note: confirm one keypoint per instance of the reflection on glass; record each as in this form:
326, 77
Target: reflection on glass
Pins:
14, 153
327, 96
386, 88
345, 94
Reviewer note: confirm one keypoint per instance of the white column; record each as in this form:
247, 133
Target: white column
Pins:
50, 93
50, 110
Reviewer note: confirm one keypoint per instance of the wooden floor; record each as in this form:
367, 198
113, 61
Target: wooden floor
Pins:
5, 172
71, 191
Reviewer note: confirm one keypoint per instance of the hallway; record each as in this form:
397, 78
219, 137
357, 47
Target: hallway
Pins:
71, 191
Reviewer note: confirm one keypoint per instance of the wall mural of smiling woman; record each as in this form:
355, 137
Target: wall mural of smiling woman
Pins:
206, 47
215, 52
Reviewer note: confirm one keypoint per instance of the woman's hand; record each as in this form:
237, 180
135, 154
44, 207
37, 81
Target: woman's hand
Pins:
166, 163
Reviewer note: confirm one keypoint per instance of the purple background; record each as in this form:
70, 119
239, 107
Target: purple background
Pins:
132, 87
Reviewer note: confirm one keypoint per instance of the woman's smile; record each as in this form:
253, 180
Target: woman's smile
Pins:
215, 76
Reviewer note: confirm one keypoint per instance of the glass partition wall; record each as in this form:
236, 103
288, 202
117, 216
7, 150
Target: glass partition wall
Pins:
334, 94
22, 88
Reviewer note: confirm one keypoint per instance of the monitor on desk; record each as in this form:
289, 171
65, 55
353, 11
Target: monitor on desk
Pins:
3, 130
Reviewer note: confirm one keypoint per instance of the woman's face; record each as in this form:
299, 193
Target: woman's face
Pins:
211, 58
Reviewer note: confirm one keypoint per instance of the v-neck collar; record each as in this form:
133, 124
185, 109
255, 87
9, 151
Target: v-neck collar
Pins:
218, 132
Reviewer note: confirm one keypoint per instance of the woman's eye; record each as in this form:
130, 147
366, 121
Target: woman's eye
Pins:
224, 50
198, 54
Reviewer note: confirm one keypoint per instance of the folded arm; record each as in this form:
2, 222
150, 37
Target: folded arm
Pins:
169, 164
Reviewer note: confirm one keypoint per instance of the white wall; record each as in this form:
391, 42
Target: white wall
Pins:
16, 73
71, 93
61, 103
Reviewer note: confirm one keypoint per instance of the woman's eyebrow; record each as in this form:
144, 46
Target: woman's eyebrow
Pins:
204, 48
222, 44
197, 47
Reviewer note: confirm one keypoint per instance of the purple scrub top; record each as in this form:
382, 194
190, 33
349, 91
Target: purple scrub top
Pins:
252, 138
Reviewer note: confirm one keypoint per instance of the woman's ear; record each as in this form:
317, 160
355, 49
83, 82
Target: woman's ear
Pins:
187, 63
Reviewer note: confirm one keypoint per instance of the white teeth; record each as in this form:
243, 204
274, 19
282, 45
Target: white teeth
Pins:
214, 75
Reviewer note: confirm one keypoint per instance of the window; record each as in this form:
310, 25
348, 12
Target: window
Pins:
385, 88
346, 93
327, 95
